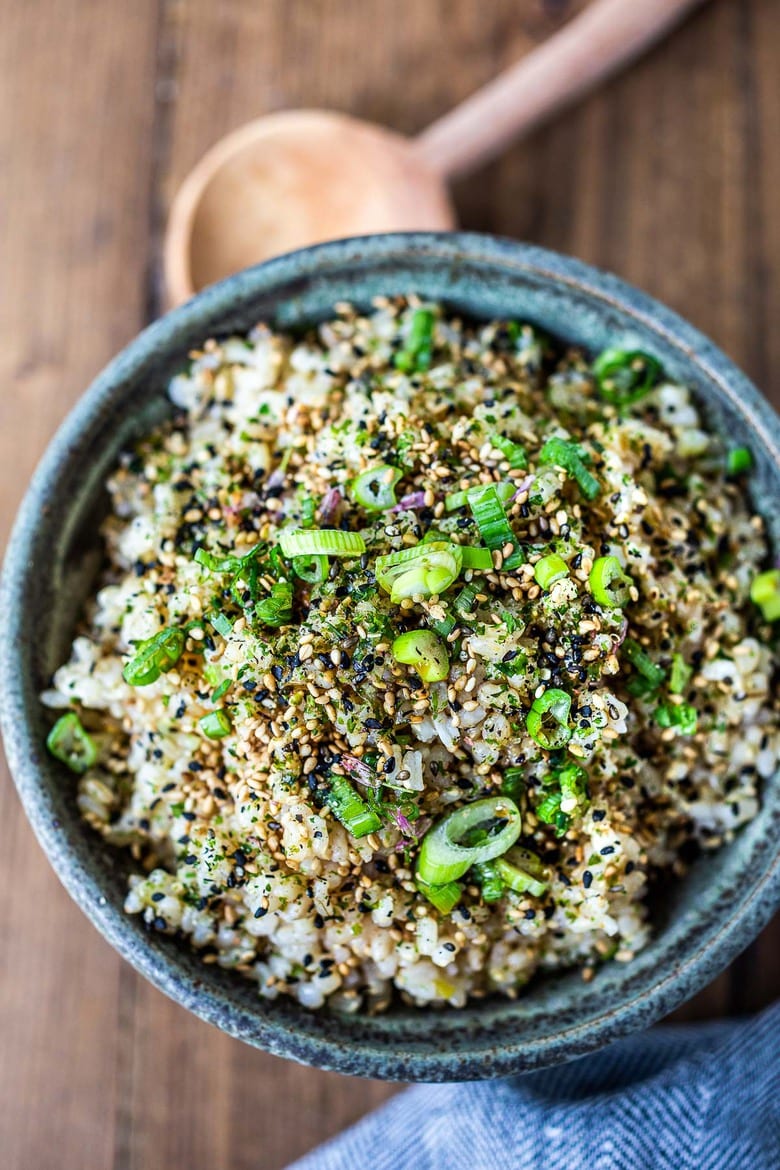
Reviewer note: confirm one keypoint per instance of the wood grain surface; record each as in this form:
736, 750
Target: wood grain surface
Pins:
669, 177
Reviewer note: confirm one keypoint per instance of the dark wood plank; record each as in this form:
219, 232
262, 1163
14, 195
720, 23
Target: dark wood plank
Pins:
76, 113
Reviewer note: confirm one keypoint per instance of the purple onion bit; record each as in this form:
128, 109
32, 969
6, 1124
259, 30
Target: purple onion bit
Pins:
356, 768
523, 486
331, 502
413, 500
275, 479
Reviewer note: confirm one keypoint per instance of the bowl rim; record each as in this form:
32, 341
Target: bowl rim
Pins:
488, 1057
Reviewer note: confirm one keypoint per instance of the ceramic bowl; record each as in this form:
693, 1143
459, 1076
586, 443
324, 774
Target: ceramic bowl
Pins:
700, 924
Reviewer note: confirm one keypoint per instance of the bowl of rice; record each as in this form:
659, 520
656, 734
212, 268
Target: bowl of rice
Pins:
390, 657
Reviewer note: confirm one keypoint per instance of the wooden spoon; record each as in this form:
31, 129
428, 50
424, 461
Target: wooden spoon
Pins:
304, 176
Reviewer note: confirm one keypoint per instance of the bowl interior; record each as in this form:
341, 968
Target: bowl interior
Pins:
701, 923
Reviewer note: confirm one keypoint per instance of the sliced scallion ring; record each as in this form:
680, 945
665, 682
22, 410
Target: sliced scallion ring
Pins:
311, 569
522, 871
643, 663
514, 453
504, 490
573, 458
550, 569
426, 652
374, 489
424, 570
349, 807
480, 559
154, 656
276, 609
547, 721
444, 898
624, 377
494, 528
70, 743
610, 586
321, 542
443, 858
215, 725
765, 593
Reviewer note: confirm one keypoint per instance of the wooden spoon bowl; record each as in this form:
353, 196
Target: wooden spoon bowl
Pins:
258, 193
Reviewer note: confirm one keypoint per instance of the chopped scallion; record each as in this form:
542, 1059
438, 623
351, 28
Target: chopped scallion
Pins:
215, 725
739, 460
69, 742
765, 593
624, 377
350, 808
374, 489
573, 459
418, 348
643, 663
476, 558
444, 898
311, 569
494, 528
610, 586
425, 651
426, 569
154, 656
443, 856
514, 453
547, 721
276, 609
321, 542
550, 569
681, 716
522, 871
679, 675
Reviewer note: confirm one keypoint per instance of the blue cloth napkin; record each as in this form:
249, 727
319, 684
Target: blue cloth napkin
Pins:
703, 1097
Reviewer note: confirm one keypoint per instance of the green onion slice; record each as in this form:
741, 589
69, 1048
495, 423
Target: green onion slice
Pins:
374, 489
679, 675
463, 604
522, 871
681, 716
513, 782
624, 376
312, 569
550, 569
227, 564
418, 348
445, 898
428, 568
215, 725
221, 623
321, 542
573, 459
547, 721
276, 609
548, 811
494, 528
476, 558
504, 490
739, 460
514, 453
350, 808
443, 858
69, 742
154, 656
426, 652
487, 877
610, 586
643, 663
765, 593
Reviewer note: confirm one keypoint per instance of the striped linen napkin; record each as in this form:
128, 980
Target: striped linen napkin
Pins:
693, 1097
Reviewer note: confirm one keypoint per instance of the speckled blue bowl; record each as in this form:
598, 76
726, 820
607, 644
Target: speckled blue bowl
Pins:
702, 923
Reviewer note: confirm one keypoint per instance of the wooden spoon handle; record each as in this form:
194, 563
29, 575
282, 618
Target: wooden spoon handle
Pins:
593, 45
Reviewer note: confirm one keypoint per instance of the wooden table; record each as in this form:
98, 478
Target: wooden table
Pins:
669, 177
